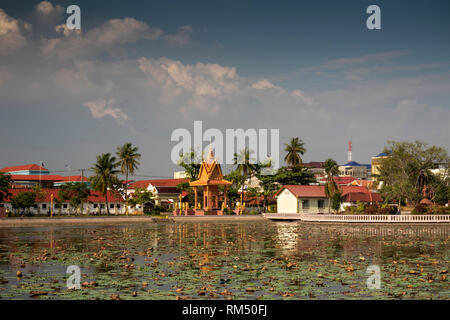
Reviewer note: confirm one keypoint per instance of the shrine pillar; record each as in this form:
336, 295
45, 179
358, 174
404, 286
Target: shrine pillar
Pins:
195, 201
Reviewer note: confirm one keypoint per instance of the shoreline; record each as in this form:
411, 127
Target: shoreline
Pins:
26, 222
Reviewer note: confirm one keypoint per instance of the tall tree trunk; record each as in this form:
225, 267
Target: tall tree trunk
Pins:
126, 193
106, 202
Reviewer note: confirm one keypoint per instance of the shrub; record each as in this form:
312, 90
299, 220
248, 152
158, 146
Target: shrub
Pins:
419, 209
441, 210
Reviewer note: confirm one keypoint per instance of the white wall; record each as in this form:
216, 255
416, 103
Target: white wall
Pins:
287, 202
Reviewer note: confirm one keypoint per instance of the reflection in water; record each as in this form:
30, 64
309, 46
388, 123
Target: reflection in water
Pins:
275, 257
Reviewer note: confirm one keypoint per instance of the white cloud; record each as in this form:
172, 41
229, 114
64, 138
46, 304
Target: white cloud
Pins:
299, 94
46, 8
111, 35
11, 37
209, 80
181, 38
102, 107
264, 84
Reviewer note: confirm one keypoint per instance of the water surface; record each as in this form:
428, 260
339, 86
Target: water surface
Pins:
226, 260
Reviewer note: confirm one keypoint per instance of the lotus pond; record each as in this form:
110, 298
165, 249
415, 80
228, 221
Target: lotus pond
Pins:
225, 260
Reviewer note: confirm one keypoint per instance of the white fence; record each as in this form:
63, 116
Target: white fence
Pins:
359, 218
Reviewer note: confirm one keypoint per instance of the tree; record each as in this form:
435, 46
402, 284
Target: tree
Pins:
407, 170
142, 196
5, 185
246, 166
293, 151
39, 195
442, 193
76, 192
129, 162
191, 162
331, 188
253, 193
24, 200
336, 200
290, 176
105, 175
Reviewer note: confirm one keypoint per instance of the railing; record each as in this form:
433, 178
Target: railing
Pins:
359, 218
283, 216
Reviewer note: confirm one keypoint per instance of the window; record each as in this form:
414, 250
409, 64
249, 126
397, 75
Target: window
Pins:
111, 206
35, 206
118, 206
95, 205
44, 206
1, 205
321, 203
65, 206
305, 204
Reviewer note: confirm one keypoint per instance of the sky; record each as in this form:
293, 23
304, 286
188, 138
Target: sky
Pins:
138, 70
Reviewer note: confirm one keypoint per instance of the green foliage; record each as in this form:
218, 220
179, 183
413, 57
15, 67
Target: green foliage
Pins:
419, 209
336, 201
76, 192
141, 196
105, 175
129, 162
293, 151
442, 194
191, 162
290, 176
5, 185
24, 200
155, 210
407, 170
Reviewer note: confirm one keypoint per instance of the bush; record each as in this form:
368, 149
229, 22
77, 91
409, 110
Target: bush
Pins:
156, 210
441, 210
227, 211
419, 209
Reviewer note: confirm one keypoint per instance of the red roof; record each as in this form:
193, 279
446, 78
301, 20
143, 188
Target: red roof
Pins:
31, 167
36, 177
313, 164
340, 180
94, 197
305, 191
351, 193
75, 179
363, 197
158, 183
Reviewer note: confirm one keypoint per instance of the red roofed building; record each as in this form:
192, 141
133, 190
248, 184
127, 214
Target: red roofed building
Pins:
95, 203
25, 169
165, 190
312, 199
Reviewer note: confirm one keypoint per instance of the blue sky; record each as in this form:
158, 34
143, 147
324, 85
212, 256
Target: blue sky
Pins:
140, 69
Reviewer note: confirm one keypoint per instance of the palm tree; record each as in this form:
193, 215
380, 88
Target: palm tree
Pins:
293, 151
128, 161
331, 170
245, 166
105, 175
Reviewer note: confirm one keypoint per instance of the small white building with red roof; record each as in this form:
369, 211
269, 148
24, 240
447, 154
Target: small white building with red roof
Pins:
165, 191
309, 199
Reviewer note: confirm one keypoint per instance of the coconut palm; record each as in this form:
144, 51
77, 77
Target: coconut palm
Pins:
105, 175
331, 188
129, 162
293, 151
246, 166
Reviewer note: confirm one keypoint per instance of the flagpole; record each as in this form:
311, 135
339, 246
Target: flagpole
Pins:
40, 172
